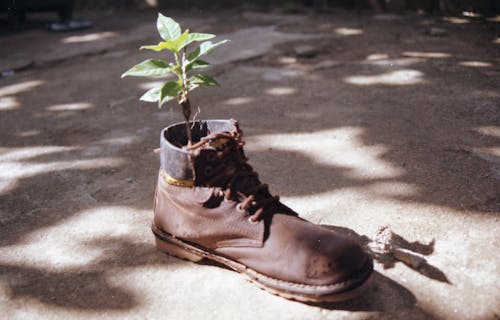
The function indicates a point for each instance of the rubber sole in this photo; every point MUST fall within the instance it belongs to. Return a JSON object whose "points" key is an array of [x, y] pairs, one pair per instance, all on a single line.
{"points": [[171, 245]]}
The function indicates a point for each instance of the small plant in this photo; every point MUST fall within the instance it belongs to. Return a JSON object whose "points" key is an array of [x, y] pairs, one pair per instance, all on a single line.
{"points": [[176, 41]]}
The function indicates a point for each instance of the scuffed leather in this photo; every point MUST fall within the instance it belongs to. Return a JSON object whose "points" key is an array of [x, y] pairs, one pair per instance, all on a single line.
{"points": [[279, 244], [180, 212], [299, 251], [294, 249]]}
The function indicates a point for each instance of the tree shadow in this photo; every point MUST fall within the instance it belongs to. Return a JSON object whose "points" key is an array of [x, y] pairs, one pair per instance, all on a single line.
{"points": [[433, 141], [87, 287], [429, 130], [389, 259], [89, 290], [384, 295]]}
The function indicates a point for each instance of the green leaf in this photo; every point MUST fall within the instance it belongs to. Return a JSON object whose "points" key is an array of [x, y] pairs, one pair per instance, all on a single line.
{"points": [[165, 100], [157, 47], [197, 37], [196, 64], [191, 87], [174, 45], [204, 48], [202, 80], [169, 91], [152, 95], [149, 68], [192, 37], [167, 27], [178, 43]]}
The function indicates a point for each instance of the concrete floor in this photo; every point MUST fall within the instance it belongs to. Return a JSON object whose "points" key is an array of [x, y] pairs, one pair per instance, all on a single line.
{"points": [[382, 124]]}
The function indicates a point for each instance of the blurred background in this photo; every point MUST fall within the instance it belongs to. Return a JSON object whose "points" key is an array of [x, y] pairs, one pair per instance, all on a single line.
{"points": [[17, 10]]}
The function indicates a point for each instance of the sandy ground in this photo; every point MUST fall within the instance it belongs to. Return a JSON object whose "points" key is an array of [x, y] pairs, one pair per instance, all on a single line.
{"points": [[382, 121]]}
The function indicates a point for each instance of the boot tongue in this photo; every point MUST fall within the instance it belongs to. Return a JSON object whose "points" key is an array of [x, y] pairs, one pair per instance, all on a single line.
{"points": [[243, 183], [218, 144]]}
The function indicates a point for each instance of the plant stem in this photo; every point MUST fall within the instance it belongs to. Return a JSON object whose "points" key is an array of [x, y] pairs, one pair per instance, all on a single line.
{"points": [[184, 99], [186, 111]]}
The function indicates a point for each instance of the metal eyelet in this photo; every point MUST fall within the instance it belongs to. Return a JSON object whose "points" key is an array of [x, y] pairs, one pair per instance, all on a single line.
{"points": [[252, 221], [239, 208]]}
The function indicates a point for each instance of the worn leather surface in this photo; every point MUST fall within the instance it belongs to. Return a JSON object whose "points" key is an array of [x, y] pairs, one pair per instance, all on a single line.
{"points": [[293, 250], [180, 212], [278, 243]]}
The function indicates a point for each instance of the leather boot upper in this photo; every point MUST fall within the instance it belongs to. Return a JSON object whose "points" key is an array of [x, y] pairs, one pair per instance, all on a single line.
{"points": [[228, 211]]}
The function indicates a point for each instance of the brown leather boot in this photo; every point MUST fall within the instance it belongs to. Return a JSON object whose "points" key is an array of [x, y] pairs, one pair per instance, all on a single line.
{"points": [[209, 203]]}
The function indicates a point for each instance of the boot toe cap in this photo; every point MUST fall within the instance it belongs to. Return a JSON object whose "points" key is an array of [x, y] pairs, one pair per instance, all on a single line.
{"points": [[340, 260]]}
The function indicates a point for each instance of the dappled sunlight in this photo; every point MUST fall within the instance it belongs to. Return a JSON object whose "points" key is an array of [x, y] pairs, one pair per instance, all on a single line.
{"points": [[489, 154], [345, 147], [9, 103], [152, 3], [69, 109], [287, 60], [90, 37], [110, 144], [281, 91], [476, 64], [28, 133], [14, 89], [22, 154], [18, 170], [403, 62], [238, 101], [247, 52], [493, 131], [378, 202], [456, 20], [49, 248], [427, 55], [120, 141], [80, 265], [393, 189], [393, 78], [377, 56], [7, 186], [274, 74], [471, 14], [348, 31], [77, 106], [15, 163], [484, 93], [494, 19]]}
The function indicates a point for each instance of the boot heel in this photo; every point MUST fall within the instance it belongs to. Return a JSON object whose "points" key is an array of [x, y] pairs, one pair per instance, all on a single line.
{"points": [[176, 251]]}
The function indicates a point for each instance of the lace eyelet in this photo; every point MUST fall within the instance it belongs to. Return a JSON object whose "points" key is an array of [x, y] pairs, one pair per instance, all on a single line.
{"points": [[239, 208], [252, 221]]}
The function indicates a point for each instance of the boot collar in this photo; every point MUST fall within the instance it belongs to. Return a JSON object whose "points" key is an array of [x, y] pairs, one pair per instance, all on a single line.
{"points": [[175, 160]]}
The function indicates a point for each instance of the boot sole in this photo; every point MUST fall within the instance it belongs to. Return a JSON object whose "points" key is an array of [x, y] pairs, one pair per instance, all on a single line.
{"points": [[346, 290]]}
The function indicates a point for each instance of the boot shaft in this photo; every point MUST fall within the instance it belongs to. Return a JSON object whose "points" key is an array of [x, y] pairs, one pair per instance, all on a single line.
{"points": [[175, 159]]}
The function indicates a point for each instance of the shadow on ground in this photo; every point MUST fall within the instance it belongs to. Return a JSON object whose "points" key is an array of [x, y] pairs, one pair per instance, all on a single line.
{"points": [[430, 132], [388, 260]]}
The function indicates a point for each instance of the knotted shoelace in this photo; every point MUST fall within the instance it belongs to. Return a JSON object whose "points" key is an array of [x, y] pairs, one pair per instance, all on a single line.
{"points": [[235, 176]]}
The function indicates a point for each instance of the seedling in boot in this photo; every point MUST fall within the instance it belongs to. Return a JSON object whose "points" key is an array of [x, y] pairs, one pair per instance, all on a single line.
{"points": [[177, 42], [210, 204]]}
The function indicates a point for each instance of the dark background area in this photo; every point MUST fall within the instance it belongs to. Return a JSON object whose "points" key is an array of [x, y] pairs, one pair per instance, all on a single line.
{"points": [[486, 7]]}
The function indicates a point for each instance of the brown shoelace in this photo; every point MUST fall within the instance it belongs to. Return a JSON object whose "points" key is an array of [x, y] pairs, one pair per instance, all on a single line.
{"points": [[233, 170]]}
